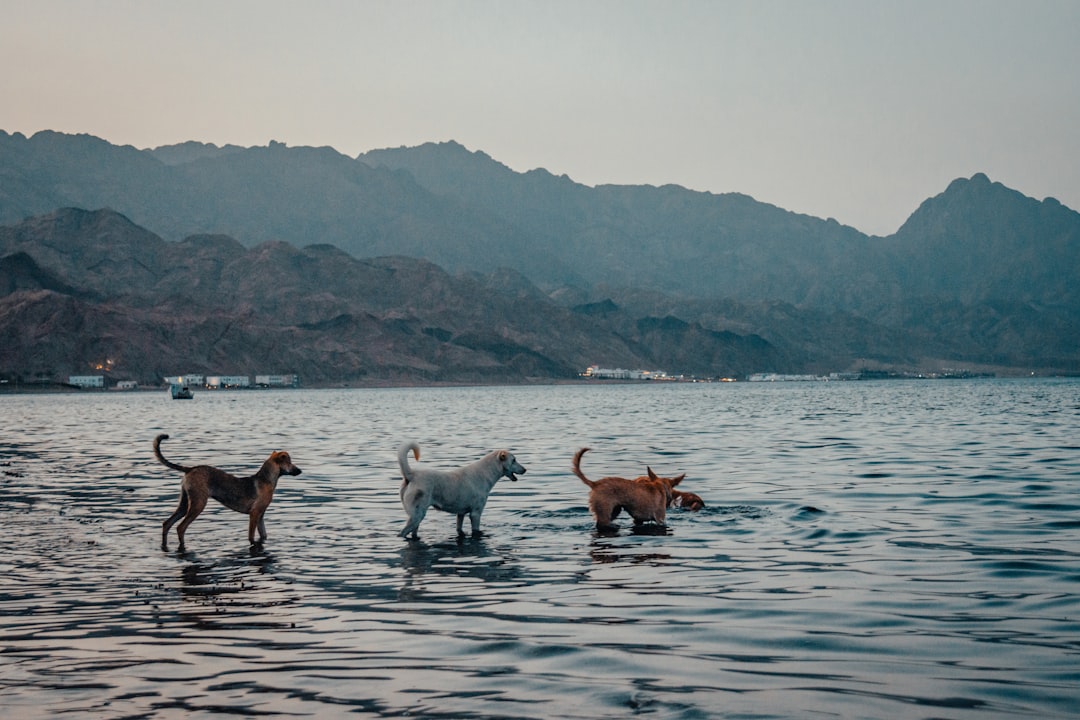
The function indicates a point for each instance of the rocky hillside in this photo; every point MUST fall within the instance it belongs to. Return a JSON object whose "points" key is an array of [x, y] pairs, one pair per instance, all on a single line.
{"points": [[979, 274], [466, 211], [83, 290]]}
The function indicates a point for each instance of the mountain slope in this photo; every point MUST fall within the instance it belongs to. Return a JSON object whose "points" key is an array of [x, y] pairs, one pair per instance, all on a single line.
{"points": [[980, 241], [465, 211], [668, 238], [978, 274], [974, 242], [114, 292], [300, 195]]}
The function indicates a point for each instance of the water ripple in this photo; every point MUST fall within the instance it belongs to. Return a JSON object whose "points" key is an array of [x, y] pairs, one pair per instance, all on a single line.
{"points": [[867, 550]]}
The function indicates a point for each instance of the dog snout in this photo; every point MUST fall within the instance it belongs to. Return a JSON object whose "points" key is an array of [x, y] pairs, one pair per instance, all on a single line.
{"points": [[294, 470], [515, 470]]}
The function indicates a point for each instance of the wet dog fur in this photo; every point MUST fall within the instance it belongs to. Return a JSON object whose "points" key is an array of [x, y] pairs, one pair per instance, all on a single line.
{"points": [[679, 498], [462, 491], [645, 498], [249, 495]]}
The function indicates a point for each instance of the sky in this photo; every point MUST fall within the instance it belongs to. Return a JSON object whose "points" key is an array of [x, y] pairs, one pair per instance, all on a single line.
{"points": [[856, 110]]}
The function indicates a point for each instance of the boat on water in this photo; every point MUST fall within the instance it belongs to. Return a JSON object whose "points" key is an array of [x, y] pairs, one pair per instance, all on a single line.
{"points": [[181, 392]]}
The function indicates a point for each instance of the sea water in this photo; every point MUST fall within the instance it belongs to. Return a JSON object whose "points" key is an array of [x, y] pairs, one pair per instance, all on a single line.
{"points": [[894, 549]]}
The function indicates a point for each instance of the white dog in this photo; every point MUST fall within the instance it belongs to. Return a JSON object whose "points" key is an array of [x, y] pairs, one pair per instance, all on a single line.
{"points": [[463, 491]]}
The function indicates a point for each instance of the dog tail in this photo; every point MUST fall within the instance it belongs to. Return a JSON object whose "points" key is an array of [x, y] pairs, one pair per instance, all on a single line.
{"points": [[403, 458], [577, 467], [161, 458]]}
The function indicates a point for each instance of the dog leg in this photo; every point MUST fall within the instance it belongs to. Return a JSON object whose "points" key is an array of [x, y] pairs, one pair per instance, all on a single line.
{"points": [[460, 520], [181, 510], [414, 523], [474, 520], [604, 513], [255, 522], [196, 504]]}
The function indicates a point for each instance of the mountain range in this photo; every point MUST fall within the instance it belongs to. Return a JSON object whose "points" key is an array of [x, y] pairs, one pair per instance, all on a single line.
{"points": [[436, 263]]}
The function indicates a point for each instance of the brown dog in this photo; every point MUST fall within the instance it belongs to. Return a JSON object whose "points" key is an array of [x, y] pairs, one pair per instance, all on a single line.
{"points": [[646, 498], [249, 495]]}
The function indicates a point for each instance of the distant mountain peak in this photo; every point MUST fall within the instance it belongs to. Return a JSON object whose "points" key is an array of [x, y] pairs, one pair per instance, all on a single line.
{"points": [[963, 199], [448, 152], [978, 182], [190, 151]]}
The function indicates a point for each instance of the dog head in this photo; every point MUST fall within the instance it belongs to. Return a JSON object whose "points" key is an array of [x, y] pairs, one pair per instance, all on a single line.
{"points": [[284, 463], [509, 464], [687, 500]]}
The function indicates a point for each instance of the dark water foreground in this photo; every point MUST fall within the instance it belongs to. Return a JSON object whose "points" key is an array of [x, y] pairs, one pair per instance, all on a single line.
{"points": [[877, 550]]}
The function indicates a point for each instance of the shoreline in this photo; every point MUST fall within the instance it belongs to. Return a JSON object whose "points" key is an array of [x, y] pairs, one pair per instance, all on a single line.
{"points": [[64, 388]]}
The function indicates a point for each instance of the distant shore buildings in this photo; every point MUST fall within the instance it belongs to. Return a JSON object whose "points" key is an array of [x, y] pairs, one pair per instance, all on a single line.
{"points": [[596, 372], [87, 381], [781, 377], [192, 380], [233, 382]]}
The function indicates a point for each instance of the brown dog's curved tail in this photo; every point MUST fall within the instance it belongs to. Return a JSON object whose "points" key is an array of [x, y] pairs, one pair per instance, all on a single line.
{"points": [[403, 458], [161, 458], [577, 467]]}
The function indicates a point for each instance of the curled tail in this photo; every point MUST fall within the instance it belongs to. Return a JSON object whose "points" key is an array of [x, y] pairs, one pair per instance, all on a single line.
{"points": [[577, 467], [161, 458], [403, 458]]}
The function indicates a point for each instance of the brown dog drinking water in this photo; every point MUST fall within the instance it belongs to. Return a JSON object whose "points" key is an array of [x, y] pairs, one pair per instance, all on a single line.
{"points": [[645, 499]]}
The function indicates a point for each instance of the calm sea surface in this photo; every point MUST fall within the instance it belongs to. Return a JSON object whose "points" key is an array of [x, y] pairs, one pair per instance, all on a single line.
{"points": [[869, 550]]}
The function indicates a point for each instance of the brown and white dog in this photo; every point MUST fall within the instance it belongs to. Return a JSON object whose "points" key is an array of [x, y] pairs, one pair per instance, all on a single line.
{"points": [[249, 495], [461, 491], [687, 500], [645, 498]]}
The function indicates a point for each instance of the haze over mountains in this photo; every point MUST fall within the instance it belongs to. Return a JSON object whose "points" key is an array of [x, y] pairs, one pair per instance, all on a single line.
{"points": [[537, 276]]}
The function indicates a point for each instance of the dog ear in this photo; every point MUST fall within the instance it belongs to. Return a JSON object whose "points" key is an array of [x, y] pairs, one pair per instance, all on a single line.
{"points": [[663, 483], [502, 455], [676, 480]]}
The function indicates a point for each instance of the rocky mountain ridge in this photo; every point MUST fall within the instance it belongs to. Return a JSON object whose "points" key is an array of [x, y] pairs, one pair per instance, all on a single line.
{"points": [[90, 290], [979, 275]]}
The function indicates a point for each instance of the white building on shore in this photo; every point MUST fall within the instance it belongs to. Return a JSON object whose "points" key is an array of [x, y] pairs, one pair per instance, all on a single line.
{"points": [[599, 373], [87, 381], [189, 380], [222, 382], [277, 380], [218, 382]]}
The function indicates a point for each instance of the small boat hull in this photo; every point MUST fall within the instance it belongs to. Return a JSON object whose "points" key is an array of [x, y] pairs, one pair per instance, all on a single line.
{"points": [[181, 392]]}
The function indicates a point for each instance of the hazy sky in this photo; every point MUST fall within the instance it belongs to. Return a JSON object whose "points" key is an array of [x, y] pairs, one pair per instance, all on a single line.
{"points": [[857, 110]]}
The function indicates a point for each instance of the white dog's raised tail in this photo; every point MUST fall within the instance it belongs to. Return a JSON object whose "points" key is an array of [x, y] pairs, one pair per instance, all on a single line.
{"points": [[403, 458]]}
